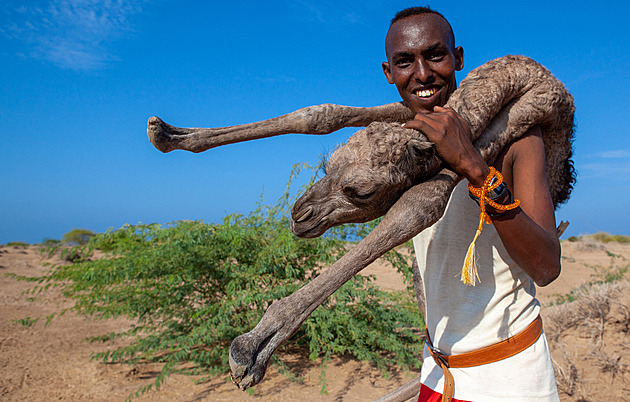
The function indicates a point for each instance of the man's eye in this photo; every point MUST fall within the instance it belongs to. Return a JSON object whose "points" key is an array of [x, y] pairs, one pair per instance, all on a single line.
{"points": [[403, 63], [436, 56]]}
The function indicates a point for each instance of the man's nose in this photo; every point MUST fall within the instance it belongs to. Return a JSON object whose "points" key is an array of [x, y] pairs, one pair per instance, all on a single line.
{"points": [[423, 72]]}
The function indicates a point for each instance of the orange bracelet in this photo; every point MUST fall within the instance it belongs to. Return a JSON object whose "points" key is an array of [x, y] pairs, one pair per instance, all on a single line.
{"points": [[469, 274]]}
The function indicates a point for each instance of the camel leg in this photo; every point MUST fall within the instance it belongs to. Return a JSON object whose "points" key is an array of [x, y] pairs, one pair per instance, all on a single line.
{"points": [[418, 287], [418, 208], [318, 119]]}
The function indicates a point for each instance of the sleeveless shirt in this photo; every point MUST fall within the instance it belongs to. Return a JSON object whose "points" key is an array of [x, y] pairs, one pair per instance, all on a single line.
{"points": [[463, 318]]}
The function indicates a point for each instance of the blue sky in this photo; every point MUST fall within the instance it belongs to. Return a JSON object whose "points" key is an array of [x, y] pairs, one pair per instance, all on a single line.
{"points": [[80, 78]]}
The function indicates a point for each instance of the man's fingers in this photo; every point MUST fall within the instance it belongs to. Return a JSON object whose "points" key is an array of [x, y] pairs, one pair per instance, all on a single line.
{"points": [[450, 113], [439, 124], [420, 120], [446, 112], [419, 125], [430, 119], [428, 127]]}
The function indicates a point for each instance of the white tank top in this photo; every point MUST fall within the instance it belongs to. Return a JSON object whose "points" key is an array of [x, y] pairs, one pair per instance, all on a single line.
{"points": [[463, 318]]}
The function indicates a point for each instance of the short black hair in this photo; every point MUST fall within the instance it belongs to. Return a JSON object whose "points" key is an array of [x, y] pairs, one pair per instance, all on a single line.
{"points": [[418, 11]]}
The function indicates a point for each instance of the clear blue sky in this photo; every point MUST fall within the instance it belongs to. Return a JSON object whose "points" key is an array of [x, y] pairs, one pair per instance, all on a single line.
{"points": [[80, 78]]}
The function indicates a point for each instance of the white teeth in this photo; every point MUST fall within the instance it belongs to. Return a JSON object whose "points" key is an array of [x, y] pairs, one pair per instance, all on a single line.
{"points": [[426, 93]]}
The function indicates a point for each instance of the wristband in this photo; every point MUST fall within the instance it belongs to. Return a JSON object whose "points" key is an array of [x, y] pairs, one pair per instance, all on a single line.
{"points": [[495, 193]]}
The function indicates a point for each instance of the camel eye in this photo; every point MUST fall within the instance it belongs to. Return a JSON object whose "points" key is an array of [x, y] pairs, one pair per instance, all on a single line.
{"points": [[364, 197], [358, 194]]}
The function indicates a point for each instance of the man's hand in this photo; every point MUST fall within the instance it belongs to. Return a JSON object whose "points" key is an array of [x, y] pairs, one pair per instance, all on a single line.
{"points": [[528, 232], [452, 138]]}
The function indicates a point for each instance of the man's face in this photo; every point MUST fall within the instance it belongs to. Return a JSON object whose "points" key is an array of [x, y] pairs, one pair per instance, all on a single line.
{"points": [[422, 61]]}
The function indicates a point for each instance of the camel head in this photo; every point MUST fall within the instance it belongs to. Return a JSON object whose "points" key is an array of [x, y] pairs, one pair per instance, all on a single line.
{"points": [[364, 178]]}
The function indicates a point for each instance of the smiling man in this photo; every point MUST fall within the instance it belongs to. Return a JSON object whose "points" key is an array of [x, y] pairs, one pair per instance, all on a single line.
{"points": [[486, 340], [422, 60]]}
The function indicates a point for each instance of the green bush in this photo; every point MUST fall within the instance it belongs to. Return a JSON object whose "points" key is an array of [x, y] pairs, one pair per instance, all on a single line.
{"points": [[607, 238], [17, 243], [50, 242], [193, 287], [621, 238], [78, 236]]}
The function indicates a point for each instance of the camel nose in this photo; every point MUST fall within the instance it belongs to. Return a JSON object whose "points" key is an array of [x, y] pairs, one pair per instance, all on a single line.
{"points": [[304, 215]]}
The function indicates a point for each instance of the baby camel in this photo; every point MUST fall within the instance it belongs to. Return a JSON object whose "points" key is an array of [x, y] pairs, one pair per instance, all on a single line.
{"points": [[388, 170]]}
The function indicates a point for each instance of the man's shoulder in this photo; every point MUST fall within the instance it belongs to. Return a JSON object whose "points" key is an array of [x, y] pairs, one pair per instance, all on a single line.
{"points": [[527, 151], [530, 141]]}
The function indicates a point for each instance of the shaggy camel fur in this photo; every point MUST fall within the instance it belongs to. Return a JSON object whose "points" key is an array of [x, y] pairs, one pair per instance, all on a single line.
{"points": [[392, 171]]}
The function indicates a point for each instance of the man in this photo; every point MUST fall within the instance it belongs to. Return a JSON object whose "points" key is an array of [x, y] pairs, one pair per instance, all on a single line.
{"points": [[519, 248]]}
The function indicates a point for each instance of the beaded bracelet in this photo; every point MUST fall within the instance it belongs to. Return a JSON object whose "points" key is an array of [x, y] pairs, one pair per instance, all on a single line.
{"points": [[499, 192], [469, 274], [498, 214]]}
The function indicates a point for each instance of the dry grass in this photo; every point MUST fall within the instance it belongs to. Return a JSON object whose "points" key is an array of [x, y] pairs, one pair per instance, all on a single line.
{"points": [[624, 318], [601, 237], [588, 244], [604, 237], [567, 374], [595, 305], [609, 363], [596, 323], [590, 308], [560, 319]]}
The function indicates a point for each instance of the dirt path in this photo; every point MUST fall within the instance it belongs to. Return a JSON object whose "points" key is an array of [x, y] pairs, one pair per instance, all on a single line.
{"points": [[42, 363]]}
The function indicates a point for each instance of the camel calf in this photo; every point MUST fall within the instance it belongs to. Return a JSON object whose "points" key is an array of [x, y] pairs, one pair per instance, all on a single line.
{"points": [[392, 171]]}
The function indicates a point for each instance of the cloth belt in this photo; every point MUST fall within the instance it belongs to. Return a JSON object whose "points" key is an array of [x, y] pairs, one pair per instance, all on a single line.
{"points": [[489, 354]]}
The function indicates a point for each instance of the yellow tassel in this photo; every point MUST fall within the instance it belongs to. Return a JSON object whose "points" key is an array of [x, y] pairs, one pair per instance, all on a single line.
{"points": [[469, 274]]}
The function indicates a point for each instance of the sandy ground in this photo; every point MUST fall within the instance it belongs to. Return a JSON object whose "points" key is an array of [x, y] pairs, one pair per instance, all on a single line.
{"points": [[42, 363]]}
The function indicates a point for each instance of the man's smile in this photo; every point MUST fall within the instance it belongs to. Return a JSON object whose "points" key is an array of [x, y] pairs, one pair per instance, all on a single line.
{"points": [[425, 98], [426, 93]]}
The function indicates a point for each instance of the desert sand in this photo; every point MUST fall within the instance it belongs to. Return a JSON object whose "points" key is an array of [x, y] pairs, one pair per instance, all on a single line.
{"points": [[588, 337]]}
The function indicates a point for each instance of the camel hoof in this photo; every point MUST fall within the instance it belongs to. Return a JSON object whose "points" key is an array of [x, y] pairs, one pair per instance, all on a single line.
{"points": [[247, 364], [159, 135]]}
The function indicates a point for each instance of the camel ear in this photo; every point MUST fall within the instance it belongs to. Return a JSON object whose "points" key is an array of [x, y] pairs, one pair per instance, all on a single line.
{"points": [[418, 152], [417, 147]]}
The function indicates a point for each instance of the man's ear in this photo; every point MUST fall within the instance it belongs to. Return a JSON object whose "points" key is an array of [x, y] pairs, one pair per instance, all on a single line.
{"points": [[388, 72], [459, 58]]}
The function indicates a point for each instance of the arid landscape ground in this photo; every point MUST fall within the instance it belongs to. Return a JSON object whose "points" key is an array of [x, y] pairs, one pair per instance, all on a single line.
{"points": [[588, 334]]}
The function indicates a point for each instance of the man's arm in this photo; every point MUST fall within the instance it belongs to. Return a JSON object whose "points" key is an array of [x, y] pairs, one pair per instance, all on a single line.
{"points": [[527, 232]]}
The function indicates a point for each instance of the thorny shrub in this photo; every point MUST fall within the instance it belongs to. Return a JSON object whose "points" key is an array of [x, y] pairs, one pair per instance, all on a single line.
{"points": [[192, 287]]}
